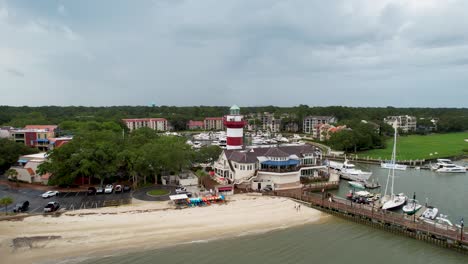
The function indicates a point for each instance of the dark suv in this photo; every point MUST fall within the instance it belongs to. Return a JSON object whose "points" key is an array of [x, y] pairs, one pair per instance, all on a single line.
{"points": [[21, 207]]}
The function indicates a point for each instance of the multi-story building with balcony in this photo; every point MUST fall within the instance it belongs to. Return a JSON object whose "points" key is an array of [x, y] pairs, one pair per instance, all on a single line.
{"points": [[404, 122], [35, 136], [158, 124], [311, 122], [213, 123]]}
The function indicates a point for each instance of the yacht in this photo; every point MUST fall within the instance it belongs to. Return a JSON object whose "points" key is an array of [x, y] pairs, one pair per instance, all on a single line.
{"points": [[349, 172], [430, 213], [388, 165], [446, 165]]}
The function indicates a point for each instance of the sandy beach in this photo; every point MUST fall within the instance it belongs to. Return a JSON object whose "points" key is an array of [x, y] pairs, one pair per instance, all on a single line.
{"points": [[143, 225]]}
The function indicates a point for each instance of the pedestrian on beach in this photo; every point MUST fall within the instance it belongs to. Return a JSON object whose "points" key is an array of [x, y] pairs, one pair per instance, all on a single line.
{"points": [[299, 207]]}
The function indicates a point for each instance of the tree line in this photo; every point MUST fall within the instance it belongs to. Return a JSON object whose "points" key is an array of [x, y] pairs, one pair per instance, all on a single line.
{"points": [[107, 155], [451, 119]]}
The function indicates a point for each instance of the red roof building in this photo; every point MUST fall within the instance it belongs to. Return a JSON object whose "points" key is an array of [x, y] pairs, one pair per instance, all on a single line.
{"points": [[195, 125]]}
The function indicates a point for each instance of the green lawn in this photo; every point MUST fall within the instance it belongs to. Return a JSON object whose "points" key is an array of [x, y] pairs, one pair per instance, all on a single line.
{"points": [[158, 192], [420, 147]]}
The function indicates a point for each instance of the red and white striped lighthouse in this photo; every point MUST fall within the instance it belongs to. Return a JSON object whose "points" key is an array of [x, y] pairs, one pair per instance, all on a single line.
{"points": [[234, 123]]}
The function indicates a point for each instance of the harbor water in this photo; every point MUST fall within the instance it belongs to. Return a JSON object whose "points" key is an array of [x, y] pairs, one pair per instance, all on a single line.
{"points": [[335, 241]]}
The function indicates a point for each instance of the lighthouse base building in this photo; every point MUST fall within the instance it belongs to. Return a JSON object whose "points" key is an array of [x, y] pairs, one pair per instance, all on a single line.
{"points": [[273, 168]]}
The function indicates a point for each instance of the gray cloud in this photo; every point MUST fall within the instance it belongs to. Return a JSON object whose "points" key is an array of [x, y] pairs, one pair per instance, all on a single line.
{"points": [[189, 52]]}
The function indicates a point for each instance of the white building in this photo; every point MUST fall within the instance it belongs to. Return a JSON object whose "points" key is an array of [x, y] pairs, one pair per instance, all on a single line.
{"points": [[405, 122], [159, 124], [278, 168], [27, 168], [311, 122]]}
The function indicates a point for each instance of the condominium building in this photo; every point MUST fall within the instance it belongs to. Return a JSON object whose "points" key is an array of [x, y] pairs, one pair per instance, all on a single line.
{"points": [[404, 122], [269, 122], [35, 136], [159, 124], [214, 123], [311, 122]]}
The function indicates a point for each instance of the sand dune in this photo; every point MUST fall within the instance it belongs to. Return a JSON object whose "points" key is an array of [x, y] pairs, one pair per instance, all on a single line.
{"points": [[141, 226]]}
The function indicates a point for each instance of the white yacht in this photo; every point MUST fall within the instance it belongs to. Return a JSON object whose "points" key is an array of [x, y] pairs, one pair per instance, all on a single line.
{"points": [[389, 165], [349, 172], [394, 201], [446, 165], [430, 213]]}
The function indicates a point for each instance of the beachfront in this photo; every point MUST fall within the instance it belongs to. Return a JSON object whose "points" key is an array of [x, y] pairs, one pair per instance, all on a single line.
{"points": [[144, 225]]}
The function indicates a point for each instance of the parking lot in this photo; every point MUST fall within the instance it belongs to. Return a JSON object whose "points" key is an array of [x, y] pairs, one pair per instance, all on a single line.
{"points": [[67, 200]]}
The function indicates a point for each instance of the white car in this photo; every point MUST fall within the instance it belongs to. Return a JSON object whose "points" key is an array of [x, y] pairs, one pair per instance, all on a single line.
{"points": [[109, 188], [49, 194], [180, 190]]}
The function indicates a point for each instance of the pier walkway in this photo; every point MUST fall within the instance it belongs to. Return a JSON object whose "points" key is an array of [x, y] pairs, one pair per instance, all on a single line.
{"points": [[444, 235]]}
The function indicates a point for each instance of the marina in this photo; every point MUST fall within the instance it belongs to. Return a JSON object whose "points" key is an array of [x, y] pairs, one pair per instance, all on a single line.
{"points": [[438, 234]]}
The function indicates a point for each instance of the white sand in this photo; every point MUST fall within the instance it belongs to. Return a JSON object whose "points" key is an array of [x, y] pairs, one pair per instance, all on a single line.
{"points": [[145, 225]]}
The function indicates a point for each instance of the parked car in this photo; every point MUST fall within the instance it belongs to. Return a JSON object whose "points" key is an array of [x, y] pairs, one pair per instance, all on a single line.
{"points": [[50, 194], [109, 188], [21, 207], [91, 190], [179, 190], [99, 190], [118, 188], [126, 188], [51, 207], [267, 189]]}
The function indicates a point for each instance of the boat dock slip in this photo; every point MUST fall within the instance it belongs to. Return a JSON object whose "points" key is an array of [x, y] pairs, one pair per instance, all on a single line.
{"points": [[445, 236]]}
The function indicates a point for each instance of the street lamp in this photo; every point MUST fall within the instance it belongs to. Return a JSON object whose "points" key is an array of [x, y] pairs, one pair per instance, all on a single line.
{"points": [[462, 224]]}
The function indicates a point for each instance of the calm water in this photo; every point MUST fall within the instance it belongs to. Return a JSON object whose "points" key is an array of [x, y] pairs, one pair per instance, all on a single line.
{"points": [[337, 241]]}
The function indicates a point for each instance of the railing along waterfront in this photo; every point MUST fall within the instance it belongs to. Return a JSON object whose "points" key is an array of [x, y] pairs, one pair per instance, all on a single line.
{"points": [[451, 236]]}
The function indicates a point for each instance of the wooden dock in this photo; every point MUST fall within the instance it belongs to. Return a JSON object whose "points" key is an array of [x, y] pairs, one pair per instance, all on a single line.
{"points": [[445, 236]]}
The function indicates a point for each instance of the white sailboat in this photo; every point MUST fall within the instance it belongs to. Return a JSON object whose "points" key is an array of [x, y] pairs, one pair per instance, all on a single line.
{"points": [[392, 201]]}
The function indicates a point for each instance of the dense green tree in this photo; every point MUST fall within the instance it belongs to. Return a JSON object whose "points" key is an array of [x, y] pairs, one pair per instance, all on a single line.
{"points": [[208, 154], [10, 152]]}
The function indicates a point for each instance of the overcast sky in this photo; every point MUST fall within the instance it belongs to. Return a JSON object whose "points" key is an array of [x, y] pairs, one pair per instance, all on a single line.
{"points": [[245, 52]]}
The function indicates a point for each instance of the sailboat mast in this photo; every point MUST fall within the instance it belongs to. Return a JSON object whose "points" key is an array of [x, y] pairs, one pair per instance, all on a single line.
{"points": [[394, 157]]}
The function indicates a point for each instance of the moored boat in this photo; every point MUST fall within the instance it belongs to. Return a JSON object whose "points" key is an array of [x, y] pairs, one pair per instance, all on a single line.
{"points": [[393, 201], [389, 165], [430, 213], [357, 184], [447, 166], [349, 172], [411, 207]]}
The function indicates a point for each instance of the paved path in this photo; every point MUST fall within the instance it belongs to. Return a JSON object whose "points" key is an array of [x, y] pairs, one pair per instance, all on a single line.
{"points": [[140, 194]]}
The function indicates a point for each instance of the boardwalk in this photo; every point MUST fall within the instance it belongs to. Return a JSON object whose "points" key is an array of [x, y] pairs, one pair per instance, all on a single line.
{"points": [[408, 225]]}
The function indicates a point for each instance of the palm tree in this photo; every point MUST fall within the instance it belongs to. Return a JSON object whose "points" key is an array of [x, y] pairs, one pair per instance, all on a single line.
{"points": [[6, 201]]}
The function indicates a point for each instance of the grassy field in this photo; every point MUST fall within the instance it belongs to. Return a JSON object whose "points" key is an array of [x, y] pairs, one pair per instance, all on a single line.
{"points": [[158, 192], [421, 147]]}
